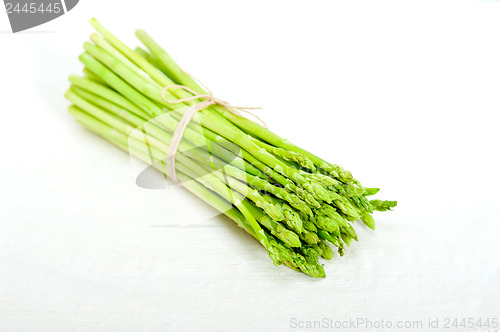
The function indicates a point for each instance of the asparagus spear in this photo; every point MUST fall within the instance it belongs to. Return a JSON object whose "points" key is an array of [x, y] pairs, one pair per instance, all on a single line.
{"points": [[290, 200]]}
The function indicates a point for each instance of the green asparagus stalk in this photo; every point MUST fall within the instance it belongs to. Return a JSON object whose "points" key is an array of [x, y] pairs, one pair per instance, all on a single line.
{"points": [[290, 200]]}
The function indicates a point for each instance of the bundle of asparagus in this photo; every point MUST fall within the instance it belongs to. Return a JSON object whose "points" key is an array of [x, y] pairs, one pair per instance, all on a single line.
{"points": [[293, 202]]}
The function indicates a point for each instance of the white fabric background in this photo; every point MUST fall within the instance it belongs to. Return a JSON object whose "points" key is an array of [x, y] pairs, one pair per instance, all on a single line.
{"points": [[402, 93]]}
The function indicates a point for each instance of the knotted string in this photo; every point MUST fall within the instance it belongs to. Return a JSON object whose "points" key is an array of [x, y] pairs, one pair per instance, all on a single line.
{"points": [[188, 116]]}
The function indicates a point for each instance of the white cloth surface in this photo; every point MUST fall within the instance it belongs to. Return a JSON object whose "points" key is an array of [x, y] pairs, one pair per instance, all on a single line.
{"points": [[402, 93]]}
